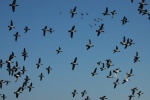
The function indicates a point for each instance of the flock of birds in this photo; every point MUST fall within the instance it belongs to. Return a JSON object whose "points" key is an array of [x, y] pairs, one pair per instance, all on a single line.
{"points": [[126, 42]]}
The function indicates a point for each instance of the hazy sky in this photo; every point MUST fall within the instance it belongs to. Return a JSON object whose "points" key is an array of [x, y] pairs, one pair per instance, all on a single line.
{"points": [[62, 81]]}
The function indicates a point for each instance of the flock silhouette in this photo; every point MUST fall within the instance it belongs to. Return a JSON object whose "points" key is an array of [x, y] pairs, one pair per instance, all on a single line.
{"points": [[17, 72]]}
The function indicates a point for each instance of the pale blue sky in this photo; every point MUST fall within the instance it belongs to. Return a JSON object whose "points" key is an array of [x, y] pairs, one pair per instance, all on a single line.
{"points": [[62, 80]]}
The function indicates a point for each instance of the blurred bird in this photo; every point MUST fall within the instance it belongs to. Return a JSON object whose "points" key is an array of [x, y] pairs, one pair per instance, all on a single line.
{"points": [[106, 12], [11, 25], [58, 50], [39, 63], [26, 29], [41, 76], [73, 12], [89, 45], [13, 5], [48, 69], [116, 83], [74, 63], [72, 31], [94, 72], [18, 92], [74, 93], [24, 54], [109, 76]]}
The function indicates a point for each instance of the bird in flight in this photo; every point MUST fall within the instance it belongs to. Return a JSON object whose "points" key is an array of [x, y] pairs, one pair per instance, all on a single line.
{"points": [[73, 12], [16, 36], [74, 63], [11, 25], [72, 31], [89, 45], [13, 5]]}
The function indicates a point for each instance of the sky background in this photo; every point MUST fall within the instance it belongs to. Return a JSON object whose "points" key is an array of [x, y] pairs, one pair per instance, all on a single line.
{"points": [[62, 80]]}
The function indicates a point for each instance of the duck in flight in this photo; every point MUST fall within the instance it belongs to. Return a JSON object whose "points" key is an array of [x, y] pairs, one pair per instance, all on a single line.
{"points": [[26, 29], [116, 71], [124, 20], [44, 30], [103, 67], [139, 93], [11, 26], [72, 31], [30, 87], [74, 93], [41, 76], [13, 5], [130, 74], [73, 12], [24, 54], [89, 45], [39, 63], [16, 36], [100, 29], [116, 83], [106, 12], [116, 50], [83, 93], [48, 69], [74, 63], [103, 97], [18, 92], [126, 79], [23, 70], [136, 58], [58, 50], [113, 13], [94, 72], [110, 76]]}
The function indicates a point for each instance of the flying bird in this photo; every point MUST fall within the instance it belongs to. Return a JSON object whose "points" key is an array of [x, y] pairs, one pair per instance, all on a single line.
{"points": [[89, 45], [74, 63], [30, 87], [73, 12], [113, 13], [26, 29], [124, 20], [126, 79], [24, 54], [94, 72], [103, 97], [116, 83], [116, 71], [11, 26], [18, 92], [58, 50], [41, 76], [139, 93], [74, 93], [72, 31], [83, 93], [100, 29], [44, 30], [106, 12], [109, 76], [116, 50], [136, 58], [16, 36], [48, 69], [39, 63], [103, 67], [13, 5]]}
